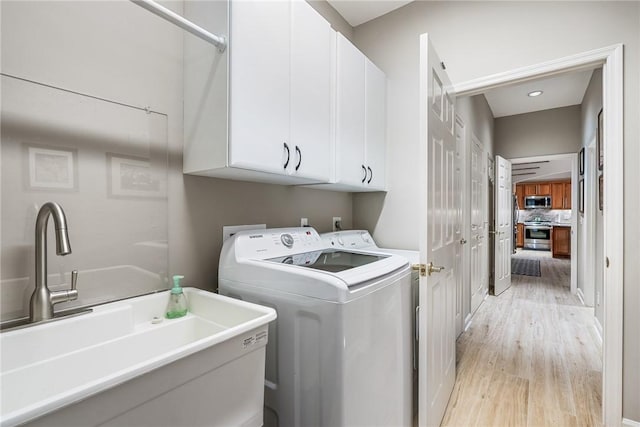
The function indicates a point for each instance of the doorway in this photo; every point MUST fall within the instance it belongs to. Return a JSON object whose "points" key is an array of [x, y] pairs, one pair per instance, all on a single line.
{"points": [[611, 60]]}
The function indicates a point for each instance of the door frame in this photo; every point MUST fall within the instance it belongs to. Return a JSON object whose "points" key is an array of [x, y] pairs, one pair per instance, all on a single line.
{"points": [[574, 204], [611, 59]]}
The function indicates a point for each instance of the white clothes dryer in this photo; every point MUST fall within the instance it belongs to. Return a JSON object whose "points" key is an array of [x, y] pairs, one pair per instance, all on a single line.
{"points": [[362, 240], [339, 353]]}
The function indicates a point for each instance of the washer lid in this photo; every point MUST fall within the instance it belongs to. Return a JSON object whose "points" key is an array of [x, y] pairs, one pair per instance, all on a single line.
{"points": [[331, 260]]}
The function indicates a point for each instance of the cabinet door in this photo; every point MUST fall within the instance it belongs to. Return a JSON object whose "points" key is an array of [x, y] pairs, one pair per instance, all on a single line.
{"points": [[520, 236], [530, 189], [544, 189], [375, 125], [557, 195], [312, 69], [259, 85], [567, 195], [520, 195], [350, 168], [561, 241]]}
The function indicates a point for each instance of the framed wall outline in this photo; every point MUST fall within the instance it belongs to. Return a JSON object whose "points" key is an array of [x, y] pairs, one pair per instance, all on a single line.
{"points": [[601, 191], [50, 168], [600, 140], [134, 177], [581, 195]]}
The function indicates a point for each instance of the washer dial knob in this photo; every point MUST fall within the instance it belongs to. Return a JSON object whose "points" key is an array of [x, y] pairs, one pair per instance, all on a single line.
{"points": [[287, 240]]}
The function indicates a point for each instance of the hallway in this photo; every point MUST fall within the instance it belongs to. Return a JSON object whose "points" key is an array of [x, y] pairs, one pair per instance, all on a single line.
{"points": [[531, 357]]}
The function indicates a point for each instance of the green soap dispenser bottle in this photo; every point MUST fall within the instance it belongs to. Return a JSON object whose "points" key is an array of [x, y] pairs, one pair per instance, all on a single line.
{"points": [[177, 306]]}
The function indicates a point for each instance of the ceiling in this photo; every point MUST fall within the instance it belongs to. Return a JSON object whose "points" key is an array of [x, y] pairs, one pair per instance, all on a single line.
{"points": [[558, 91], [541, 170], [357, 12]]}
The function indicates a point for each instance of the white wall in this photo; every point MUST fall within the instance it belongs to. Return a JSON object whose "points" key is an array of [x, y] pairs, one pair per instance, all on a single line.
{"points": [[477, 39], [119, 51], [591, 106], [554, 131]]}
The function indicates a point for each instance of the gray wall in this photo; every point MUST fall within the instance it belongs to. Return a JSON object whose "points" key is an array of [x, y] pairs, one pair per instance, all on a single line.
{"points": [[121, 52], [477, 39], [555, 131]]}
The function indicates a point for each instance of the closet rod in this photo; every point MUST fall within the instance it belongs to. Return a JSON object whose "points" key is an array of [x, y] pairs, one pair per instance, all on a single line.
{"points": [[218, 41]]}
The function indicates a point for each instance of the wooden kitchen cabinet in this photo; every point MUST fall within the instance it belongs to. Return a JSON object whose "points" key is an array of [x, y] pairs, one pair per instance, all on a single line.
{"points": [[561, 242], [557, 195], [567, 195], [520, 195], [544, 189], [520, 236], [561, 195]]}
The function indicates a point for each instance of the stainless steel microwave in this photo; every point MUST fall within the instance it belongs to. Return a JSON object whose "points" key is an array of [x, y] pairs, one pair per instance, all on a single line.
{"points": [[537, 202]]}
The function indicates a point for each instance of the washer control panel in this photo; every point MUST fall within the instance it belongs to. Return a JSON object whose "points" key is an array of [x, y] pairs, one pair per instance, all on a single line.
{"points": [[278, 242]]}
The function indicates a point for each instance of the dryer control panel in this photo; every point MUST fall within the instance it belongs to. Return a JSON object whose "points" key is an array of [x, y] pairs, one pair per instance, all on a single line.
{"points": [[350, 239]]}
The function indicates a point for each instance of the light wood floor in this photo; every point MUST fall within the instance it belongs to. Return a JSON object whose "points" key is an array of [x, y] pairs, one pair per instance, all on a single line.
{"points": [[531, 357]]}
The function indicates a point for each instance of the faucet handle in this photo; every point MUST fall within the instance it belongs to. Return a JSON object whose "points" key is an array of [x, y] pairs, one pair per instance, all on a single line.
{"points": [[74, 280]]}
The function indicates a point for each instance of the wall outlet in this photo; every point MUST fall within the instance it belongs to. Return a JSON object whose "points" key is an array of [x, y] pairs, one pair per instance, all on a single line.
{"points": [[304, 222], [230, 230], [337, 223]]}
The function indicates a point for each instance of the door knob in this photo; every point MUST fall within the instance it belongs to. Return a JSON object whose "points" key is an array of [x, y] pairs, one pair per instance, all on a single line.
{"points": [[433, 269], [463, 241]]}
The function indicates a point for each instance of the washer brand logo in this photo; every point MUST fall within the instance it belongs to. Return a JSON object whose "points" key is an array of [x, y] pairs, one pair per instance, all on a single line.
{"points": [[256, 236]]}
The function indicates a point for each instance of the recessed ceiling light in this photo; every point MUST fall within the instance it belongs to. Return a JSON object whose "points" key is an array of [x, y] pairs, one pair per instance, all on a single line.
{"points": [[535, 93]]}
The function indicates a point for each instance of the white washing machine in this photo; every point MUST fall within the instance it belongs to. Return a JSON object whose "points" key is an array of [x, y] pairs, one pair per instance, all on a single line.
{"points": [[362, 240], [339, 353]]}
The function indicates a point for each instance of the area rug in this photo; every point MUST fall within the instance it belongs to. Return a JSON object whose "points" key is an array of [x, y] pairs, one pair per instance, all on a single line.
{"points": [[525, 267]]}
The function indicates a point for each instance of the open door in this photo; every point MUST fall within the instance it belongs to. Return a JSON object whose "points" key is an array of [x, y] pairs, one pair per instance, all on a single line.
{"points": [[503, 225], [437, 332]]}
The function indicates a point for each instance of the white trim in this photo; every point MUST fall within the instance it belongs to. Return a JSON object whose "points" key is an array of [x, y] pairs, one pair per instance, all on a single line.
{"points": [[630, 423], [580, 295], [613, 300], [580, 61], [611, 58]]}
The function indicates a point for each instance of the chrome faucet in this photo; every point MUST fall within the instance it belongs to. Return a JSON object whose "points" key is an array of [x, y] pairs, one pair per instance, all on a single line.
{"points": [[42, 300]]}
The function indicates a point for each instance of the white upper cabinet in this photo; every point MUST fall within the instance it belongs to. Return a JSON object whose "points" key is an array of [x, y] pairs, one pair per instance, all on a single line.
{"points": [[280, 95], [259, 86], [312, 93], [289, 101], [360, 121], [375, 125]]}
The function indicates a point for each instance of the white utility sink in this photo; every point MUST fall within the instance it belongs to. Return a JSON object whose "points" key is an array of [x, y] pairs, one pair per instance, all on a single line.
{"points": [[119, 366]]}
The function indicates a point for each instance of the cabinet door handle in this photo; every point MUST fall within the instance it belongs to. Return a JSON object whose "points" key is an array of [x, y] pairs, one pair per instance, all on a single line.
{"points": [[364, 178], [286, 163], [370, 175], [299, 157]]}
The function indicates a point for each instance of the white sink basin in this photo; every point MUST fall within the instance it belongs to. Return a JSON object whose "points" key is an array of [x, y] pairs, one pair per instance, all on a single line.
{"points": [[53, 365]]}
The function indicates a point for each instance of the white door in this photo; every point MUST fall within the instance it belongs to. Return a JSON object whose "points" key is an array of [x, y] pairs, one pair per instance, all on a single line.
{"points": [[477, 224], [437, 333], [504, 225], [375, 129], [312, 69], [459, 188]]}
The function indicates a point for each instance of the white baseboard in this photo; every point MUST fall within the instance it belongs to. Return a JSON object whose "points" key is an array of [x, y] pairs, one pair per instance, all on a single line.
{"points": [[580, 295], [630, 423]]}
